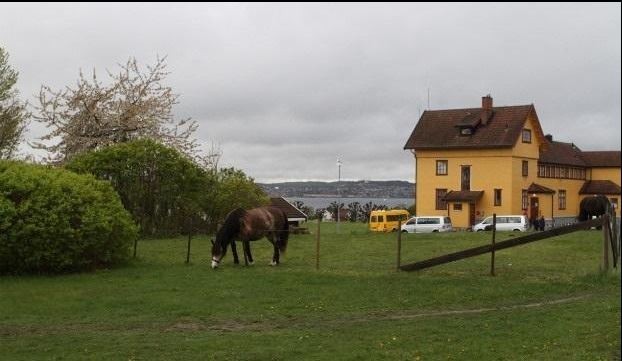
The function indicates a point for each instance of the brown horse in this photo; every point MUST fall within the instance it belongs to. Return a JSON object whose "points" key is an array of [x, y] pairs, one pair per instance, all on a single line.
{"points": [[251, 225]]}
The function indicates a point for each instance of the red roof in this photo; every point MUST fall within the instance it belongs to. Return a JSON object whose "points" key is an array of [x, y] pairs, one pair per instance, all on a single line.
{"points": [[441, 129], [537, 188], [562, 153], [600, 187], [602, 159], [288, 208]]}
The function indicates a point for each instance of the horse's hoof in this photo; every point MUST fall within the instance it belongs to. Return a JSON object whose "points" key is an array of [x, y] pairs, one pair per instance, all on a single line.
{"points": [[273, 263], [251, 263], [214, 265]]}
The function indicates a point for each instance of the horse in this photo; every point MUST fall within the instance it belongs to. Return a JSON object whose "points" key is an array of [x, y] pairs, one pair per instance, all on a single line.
{"points": [[251, 225], [593, 207]]}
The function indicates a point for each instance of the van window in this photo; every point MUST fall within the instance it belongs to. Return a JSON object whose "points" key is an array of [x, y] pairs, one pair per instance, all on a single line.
{"points": [[380, 218], [514, 220], [487, 220], [502, 219], [393, 218], [412, 221], [429, 221], [447, 220], [373, 219]]}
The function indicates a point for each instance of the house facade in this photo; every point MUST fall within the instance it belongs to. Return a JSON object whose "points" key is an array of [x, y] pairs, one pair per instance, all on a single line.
{"points": [[473, 162]]}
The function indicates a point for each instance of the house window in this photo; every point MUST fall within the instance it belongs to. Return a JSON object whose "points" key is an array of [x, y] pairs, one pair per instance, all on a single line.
{"points": [[497, 197], [525, 168], [561, 195], [524, 199], [441, 204], [457, 206], [441, 167], [541, 169], [465, 178], [526, 136]]}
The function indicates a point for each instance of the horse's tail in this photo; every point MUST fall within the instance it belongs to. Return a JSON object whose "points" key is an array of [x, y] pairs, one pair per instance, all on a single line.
{"points": [[284, 234]]}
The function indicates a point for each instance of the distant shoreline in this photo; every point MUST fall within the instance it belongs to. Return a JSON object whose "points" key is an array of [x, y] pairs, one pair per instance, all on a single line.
{"points": [[324, 202]]}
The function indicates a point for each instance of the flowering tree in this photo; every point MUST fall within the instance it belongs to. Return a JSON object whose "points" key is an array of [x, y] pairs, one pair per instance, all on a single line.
{"points": [[135, 104]]}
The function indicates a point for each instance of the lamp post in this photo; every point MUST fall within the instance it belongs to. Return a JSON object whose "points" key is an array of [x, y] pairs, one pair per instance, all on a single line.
{"points": [[338, 191]]}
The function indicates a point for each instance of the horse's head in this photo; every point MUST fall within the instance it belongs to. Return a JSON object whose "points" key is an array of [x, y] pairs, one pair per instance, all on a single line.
{"points": [[218, 252], [225, 235]]}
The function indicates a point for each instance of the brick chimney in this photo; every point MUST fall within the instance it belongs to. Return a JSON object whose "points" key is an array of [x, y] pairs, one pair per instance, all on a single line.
{"points": [[487, 102], [486, 109]]}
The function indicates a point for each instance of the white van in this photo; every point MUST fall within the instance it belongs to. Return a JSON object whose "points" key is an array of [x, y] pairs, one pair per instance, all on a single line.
{"points": [[504, 223], [427, 224]]}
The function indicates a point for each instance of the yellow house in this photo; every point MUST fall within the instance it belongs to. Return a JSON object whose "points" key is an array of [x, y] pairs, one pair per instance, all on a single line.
{"points": [[471, 163]]}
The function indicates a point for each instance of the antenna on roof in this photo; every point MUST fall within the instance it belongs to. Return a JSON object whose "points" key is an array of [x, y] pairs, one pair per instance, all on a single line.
{"points": [[428, 99]]}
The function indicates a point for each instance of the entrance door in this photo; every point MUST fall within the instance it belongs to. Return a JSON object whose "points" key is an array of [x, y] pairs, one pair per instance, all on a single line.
{"points": [[465, 178], [534, 208]]}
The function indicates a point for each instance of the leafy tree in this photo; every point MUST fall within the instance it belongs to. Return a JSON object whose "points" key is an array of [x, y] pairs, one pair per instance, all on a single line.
{"points": [[368, 207], [366, 210], [354, 210], [52, 220], [234, 189], [13, 114], [304, 208], [332, 208], [158, 185], [135, 104]]}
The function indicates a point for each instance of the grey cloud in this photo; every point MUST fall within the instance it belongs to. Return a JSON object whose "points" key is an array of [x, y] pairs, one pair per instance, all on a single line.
{"points": [[285, 89]]}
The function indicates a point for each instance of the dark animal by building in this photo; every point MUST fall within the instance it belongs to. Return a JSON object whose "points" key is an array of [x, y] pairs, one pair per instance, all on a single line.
{"points": [[593, 207], [251, 225]]}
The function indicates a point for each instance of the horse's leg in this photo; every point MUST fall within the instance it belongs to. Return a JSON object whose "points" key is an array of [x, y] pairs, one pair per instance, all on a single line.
{"points": [[249, 254], [236, 260], [244, 246], [275, 255]]}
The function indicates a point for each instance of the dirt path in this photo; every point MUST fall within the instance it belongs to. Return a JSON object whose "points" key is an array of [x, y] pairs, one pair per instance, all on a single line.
{"points": [[192, 325]]}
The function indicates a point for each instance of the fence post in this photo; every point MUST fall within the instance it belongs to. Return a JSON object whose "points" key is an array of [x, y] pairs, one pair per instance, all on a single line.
{"points": [[605, 226], [616, 239], [492, 251], [317, 244], [189, 239], [399, 244], [188, 252]]}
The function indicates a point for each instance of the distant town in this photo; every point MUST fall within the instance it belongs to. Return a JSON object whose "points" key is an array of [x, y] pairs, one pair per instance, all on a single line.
{"points": [[346, 189]]}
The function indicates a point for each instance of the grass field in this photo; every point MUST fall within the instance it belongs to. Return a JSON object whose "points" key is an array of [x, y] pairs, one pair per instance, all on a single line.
{"points": [[548, 302]]}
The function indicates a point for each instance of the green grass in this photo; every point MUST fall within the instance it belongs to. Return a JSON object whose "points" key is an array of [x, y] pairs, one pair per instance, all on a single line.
{"points": [[548, 302]]}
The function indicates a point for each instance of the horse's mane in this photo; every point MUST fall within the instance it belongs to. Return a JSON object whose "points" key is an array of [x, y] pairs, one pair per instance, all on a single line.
{"points": [[230, 228]]}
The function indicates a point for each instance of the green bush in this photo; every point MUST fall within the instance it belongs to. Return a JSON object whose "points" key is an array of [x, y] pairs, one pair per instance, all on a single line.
{"points": [[158, 185], [53, 221], [165, 191]]}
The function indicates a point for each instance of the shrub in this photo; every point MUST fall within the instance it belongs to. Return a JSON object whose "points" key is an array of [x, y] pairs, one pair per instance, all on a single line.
{"points": [[157, 184], [53, 221]]}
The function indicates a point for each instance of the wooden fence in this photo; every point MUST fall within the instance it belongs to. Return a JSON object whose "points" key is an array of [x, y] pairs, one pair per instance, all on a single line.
{"points": [[609, 233]]}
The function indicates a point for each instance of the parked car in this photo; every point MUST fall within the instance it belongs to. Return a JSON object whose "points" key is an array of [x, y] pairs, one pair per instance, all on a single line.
{"points": [[504, 223], [427, 224]]}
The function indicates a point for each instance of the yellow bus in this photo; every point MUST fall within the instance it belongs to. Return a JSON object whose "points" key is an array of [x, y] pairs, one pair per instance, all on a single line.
{"points": [[387, 221]]}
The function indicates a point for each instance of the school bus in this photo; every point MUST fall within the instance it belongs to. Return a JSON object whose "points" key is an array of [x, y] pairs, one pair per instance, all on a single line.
{"points": [[387, 221]]}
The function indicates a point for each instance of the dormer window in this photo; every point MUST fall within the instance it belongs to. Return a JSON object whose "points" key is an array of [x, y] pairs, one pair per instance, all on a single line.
{"points": [[466, 131]]}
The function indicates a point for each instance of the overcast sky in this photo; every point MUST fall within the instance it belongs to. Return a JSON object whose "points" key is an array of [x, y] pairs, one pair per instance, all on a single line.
{"points": [[286, 89]]}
